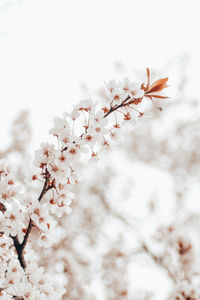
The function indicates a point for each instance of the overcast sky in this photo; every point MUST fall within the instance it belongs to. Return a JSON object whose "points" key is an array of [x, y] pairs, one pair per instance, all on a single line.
{"points": [[47, 47]]}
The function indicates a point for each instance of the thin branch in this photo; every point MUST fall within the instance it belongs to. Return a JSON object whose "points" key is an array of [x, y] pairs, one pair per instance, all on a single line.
{"points": [[158, 260], [113, 109], [20, 247]]}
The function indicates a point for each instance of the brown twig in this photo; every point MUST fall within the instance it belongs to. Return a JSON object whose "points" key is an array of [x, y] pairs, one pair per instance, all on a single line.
{"points": [[112, 109], [20, 247]]}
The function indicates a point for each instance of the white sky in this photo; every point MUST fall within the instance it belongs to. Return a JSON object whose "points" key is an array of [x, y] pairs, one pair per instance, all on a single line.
{"points": [[47, 47]]}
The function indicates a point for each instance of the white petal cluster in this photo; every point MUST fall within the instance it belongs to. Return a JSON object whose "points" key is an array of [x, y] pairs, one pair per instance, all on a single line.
{"points": [[12, 215], [83, 133], [119, 91], [87, 129], [31, 284]]}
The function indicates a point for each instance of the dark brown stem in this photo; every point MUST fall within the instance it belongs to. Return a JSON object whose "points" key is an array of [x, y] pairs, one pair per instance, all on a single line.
{"points": [[20, 247], [19, 252], [124, 103]]}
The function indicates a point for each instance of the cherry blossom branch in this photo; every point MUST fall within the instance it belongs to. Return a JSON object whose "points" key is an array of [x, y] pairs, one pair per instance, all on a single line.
{"points": [[20, 247], [59, 165], [157, 86]]}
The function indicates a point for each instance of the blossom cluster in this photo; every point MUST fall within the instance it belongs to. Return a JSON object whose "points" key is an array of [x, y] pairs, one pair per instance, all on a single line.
{"points": [[31, 283], [12, 217], [85, 132]]}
